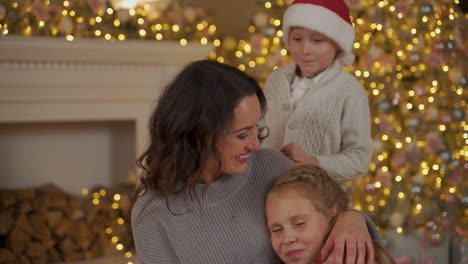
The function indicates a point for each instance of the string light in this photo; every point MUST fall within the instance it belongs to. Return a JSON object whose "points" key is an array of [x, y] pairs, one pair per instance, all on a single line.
{"points": [[397, 101], [114, 239]]}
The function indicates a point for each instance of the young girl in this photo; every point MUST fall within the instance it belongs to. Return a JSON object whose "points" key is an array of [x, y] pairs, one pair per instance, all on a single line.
{"points": [[318, 113], [301, 208]]}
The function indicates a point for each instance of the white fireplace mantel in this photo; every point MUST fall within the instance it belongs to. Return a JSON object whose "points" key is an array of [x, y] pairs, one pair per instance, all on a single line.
{"points": [[54, 81], [51, 79]]}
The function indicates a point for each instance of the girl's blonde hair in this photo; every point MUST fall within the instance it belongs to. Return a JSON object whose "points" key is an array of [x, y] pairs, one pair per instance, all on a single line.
{"points": [[314, 184]]}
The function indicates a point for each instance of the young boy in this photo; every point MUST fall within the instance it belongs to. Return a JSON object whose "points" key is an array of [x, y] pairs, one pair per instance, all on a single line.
{"points": [[317, 112]]}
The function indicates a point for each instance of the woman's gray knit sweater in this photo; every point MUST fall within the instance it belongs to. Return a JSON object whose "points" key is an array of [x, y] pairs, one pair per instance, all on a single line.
{"points": [[229, 227]]}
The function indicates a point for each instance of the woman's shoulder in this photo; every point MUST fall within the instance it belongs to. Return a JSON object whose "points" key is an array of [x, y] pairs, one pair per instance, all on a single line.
{"points": [[147, 208], [268, 154], [270, 160]]}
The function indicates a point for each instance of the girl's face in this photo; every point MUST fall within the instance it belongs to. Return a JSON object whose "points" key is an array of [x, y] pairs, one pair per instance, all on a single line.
{"points": [[298, 231], [313, 52], [239, 141]]}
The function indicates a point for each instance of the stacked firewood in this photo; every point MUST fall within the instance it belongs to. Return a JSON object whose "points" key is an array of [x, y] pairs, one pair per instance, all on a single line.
{"points": [[47, 225]]}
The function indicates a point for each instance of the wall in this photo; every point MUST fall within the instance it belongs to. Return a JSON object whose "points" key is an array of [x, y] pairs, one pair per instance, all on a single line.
{"points": [[72, 155]]}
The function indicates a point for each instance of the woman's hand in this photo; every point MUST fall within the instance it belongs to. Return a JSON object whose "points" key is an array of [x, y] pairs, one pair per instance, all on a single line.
{"points": [[349, 241], [297, 154]]}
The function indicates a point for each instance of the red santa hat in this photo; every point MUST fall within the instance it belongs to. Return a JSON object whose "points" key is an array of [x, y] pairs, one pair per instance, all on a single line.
{"points": [[329, 17]]}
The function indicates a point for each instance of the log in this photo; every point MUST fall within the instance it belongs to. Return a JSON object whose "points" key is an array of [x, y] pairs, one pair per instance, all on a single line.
{"points": [[53, 218], [6, 255], [25, 207], [57, 201], [74, 256], [37, 220], [68, 247], [80, 231], [42, 232], [93, 252], [39, 260], [76, 214], [63, 228], [34, 249], [48, 244], [53, 256], [6, 222], [125, 202], [8, 200], [18, 240], [46, 225], [84, 244], [78, 202], [18, 246], [40, 229], [25, 194], [24, 224], [23, 260], [40, 205]]}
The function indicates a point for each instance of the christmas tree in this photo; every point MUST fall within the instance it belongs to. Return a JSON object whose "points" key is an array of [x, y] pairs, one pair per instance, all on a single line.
{"points": [[263, 50], [412, 60]]}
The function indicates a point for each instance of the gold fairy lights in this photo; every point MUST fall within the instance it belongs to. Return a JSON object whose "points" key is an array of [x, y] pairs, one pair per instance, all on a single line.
{"points": [[107, 23], [421, 31], [114, 239], [422, 38]]}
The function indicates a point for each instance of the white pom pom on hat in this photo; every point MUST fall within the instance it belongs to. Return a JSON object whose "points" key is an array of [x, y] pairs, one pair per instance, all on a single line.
{"points": [[329, 17]]}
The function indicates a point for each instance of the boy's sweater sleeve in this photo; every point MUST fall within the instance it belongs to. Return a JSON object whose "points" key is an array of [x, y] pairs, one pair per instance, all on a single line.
{"points": [[354, 158]]}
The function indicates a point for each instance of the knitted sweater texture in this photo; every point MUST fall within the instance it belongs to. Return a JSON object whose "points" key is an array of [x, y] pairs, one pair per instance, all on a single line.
{"points": [[331, 121], [230, 227]]}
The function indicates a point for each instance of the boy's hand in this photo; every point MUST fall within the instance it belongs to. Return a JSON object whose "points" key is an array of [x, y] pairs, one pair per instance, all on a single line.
{"points": [[349, 241], [297, 154]]}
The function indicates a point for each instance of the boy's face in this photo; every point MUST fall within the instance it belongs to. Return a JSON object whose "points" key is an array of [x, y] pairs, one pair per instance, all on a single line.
{"points": [[313, 52], [298, 231]]}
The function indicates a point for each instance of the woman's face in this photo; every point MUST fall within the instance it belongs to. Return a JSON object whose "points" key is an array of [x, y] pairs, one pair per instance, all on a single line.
{"points": [[240, 139], [298, 231], [313, 52]]}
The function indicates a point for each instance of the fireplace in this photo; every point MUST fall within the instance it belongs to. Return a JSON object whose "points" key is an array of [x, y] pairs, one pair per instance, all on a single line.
{"points": [[73, 120], [75, 113]]}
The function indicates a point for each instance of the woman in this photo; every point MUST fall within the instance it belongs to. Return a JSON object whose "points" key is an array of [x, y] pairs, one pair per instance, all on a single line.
{"points": [[205, 179]]}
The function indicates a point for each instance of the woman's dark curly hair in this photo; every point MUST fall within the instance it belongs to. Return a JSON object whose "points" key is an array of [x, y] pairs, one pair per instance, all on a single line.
{"points": [[194, 110]]}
